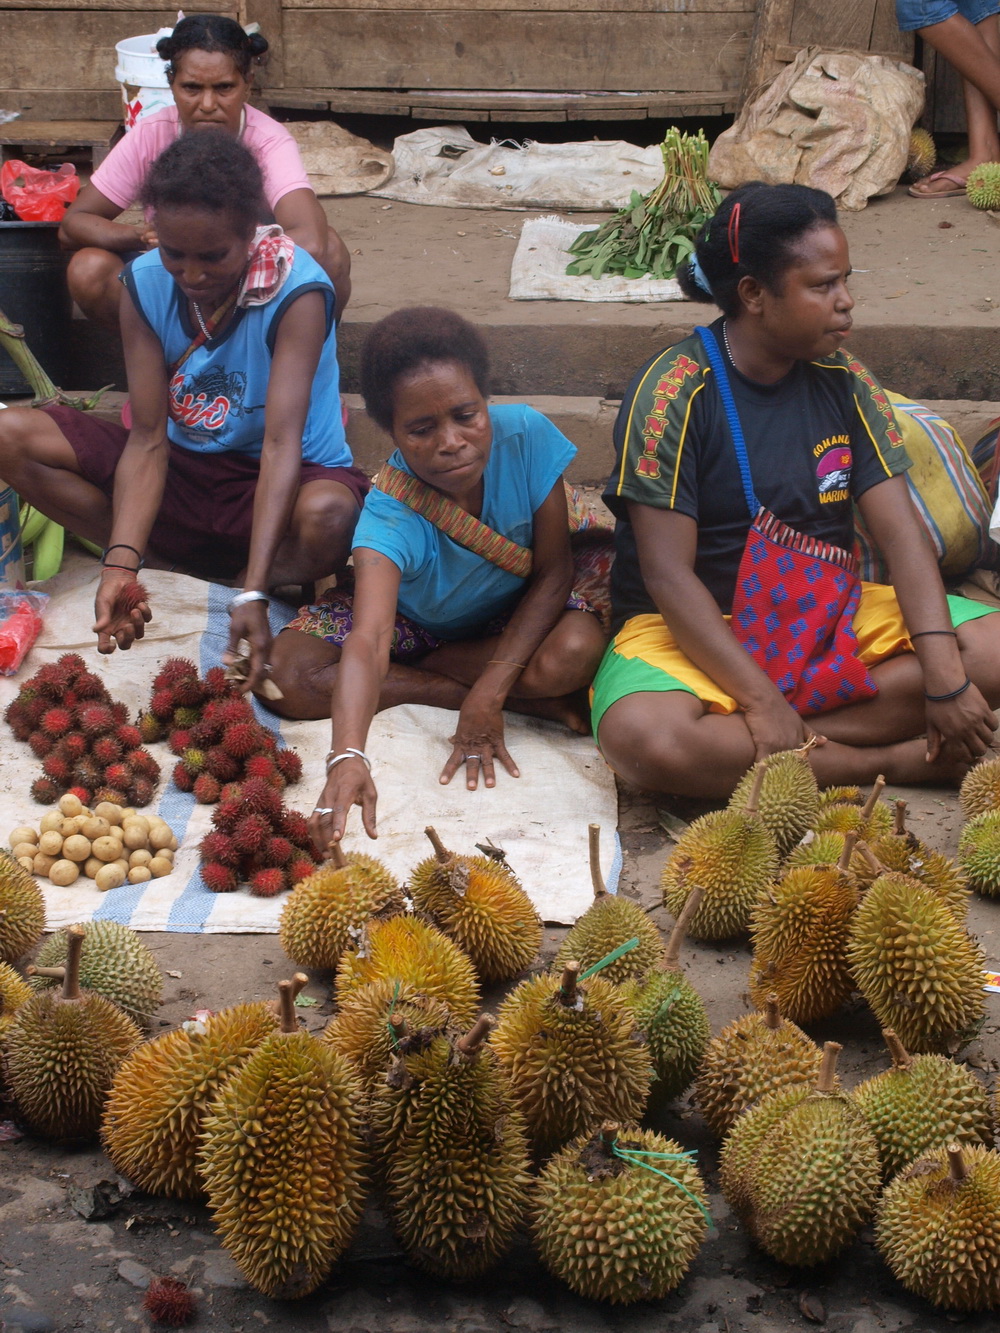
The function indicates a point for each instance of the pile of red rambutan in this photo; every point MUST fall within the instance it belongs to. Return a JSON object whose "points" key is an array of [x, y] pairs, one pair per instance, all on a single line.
{"points": [[256, 840], [212, 729], [82, 736]]}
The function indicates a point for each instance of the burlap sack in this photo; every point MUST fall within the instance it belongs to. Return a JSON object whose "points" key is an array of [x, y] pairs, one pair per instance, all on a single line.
{"points": [[337, 161], [838, 121]]}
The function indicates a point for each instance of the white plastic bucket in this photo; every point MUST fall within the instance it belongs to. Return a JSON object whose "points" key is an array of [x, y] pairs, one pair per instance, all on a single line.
{"points": [[143, 77], [11, 559]]}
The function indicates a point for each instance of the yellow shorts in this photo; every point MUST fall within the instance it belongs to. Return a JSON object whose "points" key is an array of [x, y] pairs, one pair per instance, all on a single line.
{"points": [[644, 655]]}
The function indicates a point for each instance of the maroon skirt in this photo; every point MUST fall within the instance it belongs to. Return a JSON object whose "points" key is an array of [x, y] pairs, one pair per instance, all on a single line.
{"points": [[206, 515]]}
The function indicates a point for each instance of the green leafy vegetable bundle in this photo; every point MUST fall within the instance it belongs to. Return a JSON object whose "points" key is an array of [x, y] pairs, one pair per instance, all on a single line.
{"points": [[654, 233]]}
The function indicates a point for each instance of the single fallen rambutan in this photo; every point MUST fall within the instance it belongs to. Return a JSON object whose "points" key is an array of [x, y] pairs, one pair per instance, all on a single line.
{"points": [[300, 867], [40, 744], [129, 737], [89, 686], [278, 851], [140, 791], [96, 719], [260, 798], [216, 684], [83, 794], [110, 794], [221, 765], [295, 827], [106, 749], [193, 760], [206, 789], [168, 1301], [267, 883], [251, 833], [74, 744], [142, 763], [179, 740], [56, 721], [219, 847], [241, 739], [44, 791], [218, 878], [185, 717], [182, 778], [118, 775], [161, 705], [173, 670], [150, 728], [289, 765], [58, 768]]}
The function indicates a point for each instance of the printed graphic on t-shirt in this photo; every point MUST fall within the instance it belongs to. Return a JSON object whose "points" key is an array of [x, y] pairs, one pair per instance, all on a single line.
{"points": [[833, 468], [201, 403]]}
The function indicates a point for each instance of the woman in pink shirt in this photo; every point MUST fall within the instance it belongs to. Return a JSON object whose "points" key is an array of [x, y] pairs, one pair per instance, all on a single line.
{"points": [[211, 76]]}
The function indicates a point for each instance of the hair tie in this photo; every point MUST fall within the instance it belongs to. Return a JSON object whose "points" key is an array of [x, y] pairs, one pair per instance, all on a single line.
{"points": [[698, 275], [733, 232]]}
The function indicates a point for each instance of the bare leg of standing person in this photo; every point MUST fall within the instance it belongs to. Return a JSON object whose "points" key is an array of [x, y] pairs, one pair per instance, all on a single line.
{"points": [[974, 50]]}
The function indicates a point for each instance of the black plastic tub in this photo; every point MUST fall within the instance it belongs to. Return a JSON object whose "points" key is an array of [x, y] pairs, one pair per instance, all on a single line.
{"points": [[33, 292]]}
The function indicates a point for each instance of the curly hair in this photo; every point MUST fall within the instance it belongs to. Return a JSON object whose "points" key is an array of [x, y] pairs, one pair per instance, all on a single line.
{"points": [[417, 336], [771, 220], [209, 170], [212, 32]]}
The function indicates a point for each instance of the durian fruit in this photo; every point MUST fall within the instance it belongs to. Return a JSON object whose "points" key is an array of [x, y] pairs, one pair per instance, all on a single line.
{"points": [[840, 796], [325, 911], [611, 920], [62, 1051], [611, 1228], [114, 963], [867, 821], [671, 1014], [982, 186], [923, 1102], [817, 849], [799, 930], [282, 1160], [13, 993], [919, 970], [412, 952], [732, 856], [903, 853], [979, 853], [938, 1228], [366, 1030], [756, 1055], [921, 156], [573, 1055], [478, 903], [980, 789], [453, 1151], [22, 910], [152, 1120], [789, 797], [801, 1170]]}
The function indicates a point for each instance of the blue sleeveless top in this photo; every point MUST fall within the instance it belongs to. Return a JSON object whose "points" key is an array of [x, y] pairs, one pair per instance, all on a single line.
{"points": [[216, 399]]}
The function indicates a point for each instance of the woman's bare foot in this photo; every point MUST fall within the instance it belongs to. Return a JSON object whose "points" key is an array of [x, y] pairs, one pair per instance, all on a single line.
{"points": [[572, 710]]}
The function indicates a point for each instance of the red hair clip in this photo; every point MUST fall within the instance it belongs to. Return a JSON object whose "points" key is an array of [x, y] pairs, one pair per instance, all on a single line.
{"points": [[733, 232]]}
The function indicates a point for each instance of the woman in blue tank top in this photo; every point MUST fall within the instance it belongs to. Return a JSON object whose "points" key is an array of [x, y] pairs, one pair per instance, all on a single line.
{"points": [[236, 464]]}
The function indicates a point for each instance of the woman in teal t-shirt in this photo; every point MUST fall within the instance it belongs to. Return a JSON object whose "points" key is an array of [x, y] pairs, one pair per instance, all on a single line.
{"points": [[430, 621]]}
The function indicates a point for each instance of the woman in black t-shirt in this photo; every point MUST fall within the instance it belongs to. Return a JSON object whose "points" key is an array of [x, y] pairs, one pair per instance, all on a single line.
{"points": [[705, 675]]}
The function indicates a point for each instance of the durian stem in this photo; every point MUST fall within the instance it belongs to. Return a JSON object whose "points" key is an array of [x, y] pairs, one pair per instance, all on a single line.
{"points": [[759, 774], [567, 987], [298, 981], [772, 1014], [956, 1163], [596, 878], [440, 850], [289, 1023], [673, 952], [336, 856], [901, 1058], [609, 1131], [844, 864], [871, 860], [58, 973], [397, 1026], [827, 1080], [71, 976], [476, 1035], [899, 824], [878, 786]]}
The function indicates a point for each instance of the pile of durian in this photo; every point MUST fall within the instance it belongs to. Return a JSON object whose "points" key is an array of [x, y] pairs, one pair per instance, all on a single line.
{"points": [[472, 1127]]}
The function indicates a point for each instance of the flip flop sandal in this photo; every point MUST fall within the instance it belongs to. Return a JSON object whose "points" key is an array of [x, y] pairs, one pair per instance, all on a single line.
{"points": [[938, 194]]}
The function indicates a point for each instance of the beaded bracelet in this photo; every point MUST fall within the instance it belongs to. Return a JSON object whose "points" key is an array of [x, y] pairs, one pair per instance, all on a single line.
{"points": [[944, 698]]}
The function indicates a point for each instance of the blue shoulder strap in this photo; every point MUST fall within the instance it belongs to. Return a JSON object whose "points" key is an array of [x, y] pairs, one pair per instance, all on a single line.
{"points": [[716, 360]]}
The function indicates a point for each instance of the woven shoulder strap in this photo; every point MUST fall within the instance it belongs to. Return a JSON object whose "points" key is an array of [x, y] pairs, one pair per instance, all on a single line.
{"points": [[453, 521], [714, 353]]}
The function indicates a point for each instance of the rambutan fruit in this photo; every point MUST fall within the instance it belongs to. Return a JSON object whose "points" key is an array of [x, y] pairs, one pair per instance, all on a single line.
{"points": [[173, 670], [260, 766], [300, 867], [289, 765], [161, 705], [241, 739], [260, 798], [83, 794], [185, 717], [295, 828], [235, 709], [16, 717], [129, 737], [216, 846], [205, 734], [189, 692], [44, 791], [110, 794], [70, 700], [89, 686], [119, 713], [227, 813], [218, 878], [182, 778], [106, 749], [221, 765], [142, 763], [56, 721], [169, 1302], [250, 834], [179, 740], [193, 760], [267, 883], [150, 728], [74, 744], [86, 773], [216, 684], [35, 708], [129, 597], [51, 680], [278, 851], [96, 719], [118, 775], [206, 789], [140, 791], [71, 664], [40, 744], [231, 791], [58, 768]]}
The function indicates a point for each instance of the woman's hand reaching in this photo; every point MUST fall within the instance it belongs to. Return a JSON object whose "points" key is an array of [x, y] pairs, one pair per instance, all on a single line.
{"points": [[112, 625], [349, 784], [776, 726], [960, 729], [477, 742], [249, 622]]}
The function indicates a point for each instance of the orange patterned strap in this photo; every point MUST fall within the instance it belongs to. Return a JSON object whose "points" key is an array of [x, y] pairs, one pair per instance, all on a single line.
{"points": [[454, 522]]}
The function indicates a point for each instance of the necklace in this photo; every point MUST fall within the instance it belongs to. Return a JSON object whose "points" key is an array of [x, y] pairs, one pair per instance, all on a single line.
{"points": [[725, 339], [204, 327]]}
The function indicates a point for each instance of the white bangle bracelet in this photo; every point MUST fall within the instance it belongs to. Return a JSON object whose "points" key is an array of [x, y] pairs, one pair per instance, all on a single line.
{"points": [[350, 753], [242, 598]]}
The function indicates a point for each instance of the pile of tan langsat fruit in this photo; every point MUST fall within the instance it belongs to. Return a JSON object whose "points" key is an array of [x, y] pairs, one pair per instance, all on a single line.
{"points": [[472, 1127]]}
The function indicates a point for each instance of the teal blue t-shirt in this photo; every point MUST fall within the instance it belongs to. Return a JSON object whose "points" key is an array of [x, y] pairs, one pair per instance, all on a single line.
{"points": [[444, 587]]}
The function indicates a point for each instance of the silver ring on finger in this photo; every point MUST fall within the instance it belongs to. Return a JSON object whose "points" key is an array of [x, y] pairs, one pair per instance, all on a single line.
{"points": [[323, 810], [478, 758]]}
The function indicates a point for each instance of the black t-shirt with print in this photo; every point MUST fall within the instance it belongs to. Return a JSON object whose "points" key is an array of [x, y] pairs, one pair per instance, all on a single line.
{"points": [[816, 441]]}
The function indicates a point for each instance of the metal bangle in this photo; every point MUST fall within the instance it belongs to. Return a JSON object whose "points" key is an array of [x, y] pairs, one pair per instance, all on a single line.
{"points": [[242, 598], [945, 698], [350, 753]]}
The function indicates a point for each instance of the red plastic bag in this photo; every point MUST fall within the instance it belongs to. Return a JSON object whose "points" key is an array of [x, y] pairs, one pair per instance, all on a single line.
{"points": [[39, 196]]}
